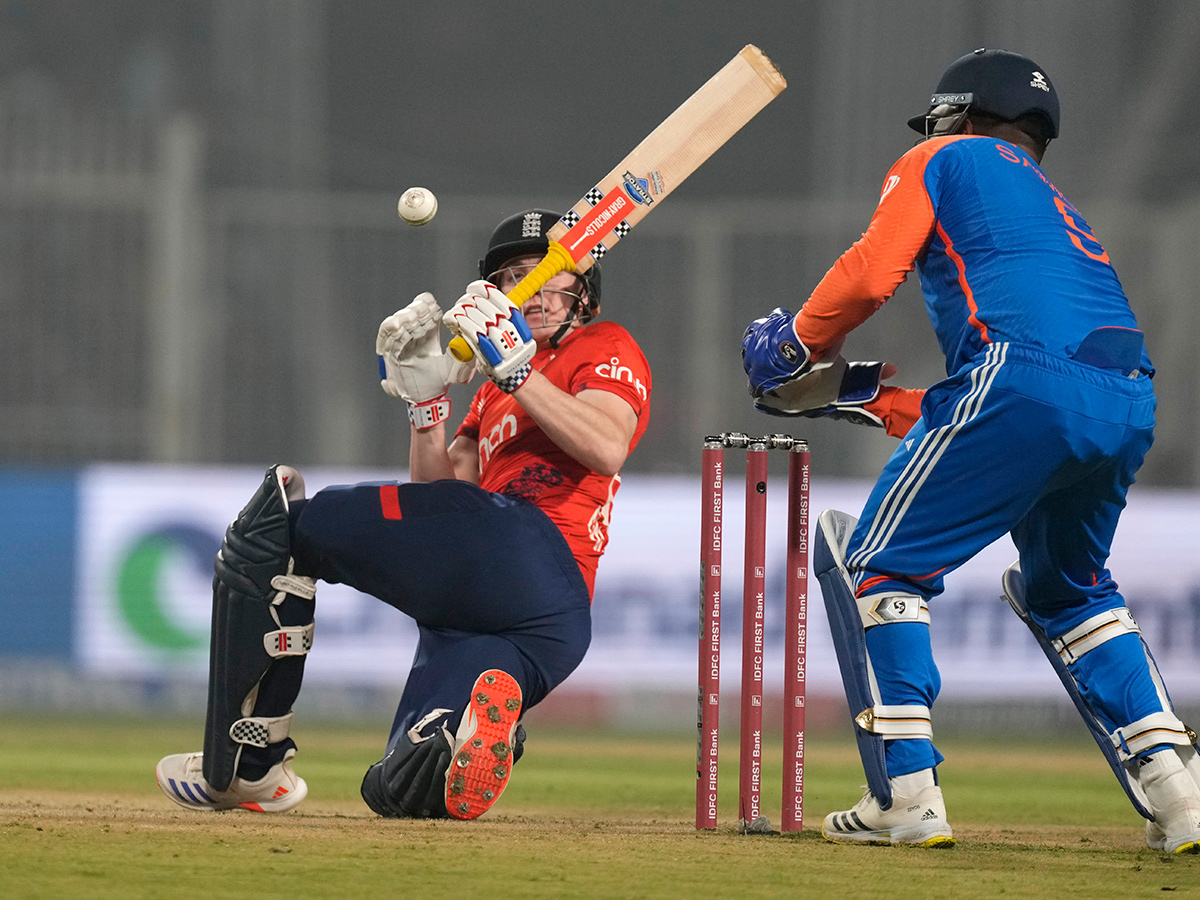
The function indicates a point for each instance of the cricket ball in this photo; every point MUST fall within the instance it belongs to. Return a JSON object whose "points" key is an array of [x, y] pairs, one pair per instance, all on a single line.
{"points": [[417, 206]]}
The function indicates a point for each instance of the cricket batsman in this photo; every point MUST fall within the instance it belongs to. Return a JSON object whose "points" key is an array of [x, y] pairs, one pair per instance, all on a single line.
{"points": [[1044, 417], [491, 548]]}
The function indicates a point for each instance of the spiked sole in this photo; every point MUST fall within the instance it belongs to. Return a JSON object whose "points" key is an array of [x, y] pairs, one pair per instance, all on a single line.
{"points": [[481, 766]]}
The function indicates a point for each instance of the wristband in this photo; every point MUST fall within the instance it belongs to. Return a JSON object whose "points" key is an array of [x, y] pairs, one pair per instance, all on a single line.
{"points": [[431, 412]]}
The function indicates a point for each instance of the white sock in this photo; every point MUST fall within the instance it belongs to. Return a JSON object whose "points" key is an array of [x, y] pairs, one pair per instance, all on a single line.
{"points": [[1166, 781], [913, 783]]}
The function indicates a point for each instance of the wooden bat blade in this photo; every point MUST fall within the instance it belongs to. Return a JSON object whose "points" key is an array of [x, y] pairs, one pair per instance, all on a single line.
{"points": [[654, 168], [668, 155]]}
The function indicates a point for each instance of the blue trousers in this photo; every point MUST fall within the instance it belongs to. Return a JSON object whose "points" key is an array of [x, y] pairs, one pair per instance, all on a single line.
{"points": [[489, 580], [1025, 443]]}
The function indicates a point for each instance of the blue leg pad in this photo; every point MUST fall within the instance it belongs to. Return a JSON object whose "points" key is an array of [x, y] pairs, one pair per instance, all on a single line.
{"points": [[833, 533], [1014, 592]]}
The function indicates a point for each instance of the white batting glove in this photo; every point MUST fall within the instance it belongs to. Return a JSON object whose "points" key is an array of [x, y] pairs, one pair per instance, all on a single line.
{"points": [[497, 332], [412, 364]]}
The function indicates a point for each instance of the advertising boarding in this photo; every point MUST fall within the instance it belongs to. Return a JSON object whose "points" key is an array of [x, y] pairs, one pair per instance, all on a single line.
{"points": [[148, 535]]}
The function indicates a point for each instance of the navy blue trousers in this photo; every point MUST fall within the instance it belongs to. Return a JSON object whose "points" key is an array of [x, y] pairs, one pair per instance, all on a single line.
{"points": [[489, 580]]}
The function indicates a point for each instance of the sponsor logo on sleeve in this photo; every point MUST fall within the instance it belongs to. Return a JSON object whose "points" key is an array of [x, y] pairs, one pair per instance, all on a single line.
{"points": [[889, 186], [618, 372]]}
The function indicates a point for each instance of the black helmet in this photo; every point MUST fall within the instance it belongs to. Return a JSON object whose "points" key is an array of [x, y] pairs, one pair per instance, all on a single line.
{"points": [[997, 83], [525, 234]]}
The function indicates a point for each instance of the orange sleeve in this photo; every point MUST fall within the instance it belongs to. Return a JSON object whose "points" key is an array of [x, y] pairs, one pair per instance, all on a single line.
{"points": [[867, 274], [898, 407]]}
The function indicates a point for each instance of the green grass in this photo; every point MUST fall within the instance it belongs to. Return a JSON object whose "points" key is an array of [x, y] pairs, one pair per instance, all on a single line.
{"points": [[588, 814]]}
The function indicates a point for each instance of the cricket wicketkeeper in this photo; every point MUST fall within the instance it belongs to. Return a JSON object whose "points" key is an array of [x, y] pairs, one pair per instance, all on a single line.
{"points": [[1044, 418]]}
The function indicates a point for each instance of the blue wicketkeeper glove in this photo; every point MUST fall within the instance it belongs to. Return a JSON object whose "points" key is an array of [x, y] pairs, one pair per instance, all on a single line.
{"points": [[772, 355]]}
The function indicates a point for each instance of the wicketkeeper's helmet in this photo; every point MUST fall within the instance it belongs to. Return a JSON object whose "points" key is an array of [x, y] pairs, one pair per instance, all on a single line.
{"points": [[997, 83]]}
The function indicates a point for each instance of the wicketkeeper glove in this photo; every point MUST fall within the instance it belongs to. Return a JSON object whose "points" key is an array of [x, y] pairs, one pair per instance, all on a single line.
{"points": [[497, 332], [840, 390], [772, 355], [412, 364]]}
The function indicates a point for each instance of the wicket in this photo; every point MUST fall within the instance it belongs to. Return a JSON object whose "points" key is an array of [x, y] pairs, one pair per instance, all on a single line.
{"points": [[750, 817]]}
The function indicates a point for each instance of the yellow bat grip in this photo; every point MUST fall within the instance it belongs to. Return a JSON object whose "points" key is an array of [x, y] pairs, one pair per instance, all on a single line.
{"points": [[556, 260]]}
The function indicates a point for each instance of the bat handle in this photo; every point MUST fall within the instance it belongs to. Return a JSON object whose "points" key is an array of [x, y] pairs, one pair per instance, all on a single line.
{"points": [[557, 259]]}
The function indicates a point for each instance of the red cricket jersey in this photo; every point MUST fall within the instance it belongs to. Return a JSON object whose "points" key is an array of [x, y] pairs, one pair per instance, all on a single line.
{"points": [[518, 459]]}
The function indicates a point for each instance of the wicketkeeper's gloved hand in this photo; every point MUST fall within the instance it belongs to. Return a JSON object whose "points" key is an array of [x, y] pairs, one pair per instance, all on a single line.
{"points": [[772, 355], [497, 332], [841, 390], [412, 364]]}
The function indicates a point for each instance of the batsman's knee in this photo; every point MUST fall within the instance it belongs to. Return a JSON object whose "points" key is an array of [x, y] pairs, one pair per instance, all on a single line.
{"points": [[410, 781]]}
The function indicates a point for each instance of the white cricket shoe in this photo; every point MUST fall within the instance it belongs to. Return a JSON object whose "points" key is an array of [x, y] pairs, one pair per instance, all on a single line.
{"points": [[919, 820], [181, 778], [1174, 798]]}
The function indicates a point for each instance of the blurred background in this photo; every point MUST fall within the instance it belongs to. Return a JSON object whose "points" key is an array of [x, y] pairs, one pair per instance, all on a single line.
{"points": [[198, 234]]}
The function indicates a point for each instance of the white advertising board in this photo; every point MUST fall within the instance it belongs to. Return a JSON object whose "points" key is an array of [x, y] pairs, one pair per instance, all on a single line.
{"points": [[148, 536]]}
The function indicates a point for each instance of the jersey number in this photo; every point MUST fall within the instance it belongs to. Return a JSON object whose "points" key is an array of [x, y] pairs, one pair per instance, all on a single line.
{"points": [[1079, 233]]}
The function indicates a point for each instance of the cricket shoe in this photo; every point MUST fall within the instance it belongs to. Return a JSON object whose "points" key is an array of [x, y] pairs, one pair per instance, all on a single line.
{"points": [[1174, 798], [483, 755], [181, 778], [919, 820], [1181, 841]]}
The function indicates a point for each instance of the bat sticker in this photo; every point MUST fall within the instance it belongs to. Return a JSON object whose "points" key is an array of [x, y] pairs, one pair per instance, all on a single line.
{"points": [[596, 223], [638, 189]]}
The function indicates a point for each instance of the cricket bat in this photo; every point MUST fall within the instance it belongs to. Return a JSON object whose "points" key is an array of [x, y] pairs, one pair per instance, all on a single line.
{"points": [[654, 168]]}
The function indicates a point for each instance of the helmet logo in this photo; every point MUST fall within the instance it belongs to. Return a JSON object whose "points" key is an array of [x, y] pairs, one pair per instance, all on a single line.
{"points": [[532, 226], [1039, 81]]}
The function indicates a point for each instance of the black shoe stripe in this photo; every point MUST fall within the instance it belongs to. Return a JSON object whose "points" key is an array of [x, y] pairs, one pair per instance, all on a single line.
{"points": [[849, 822]]}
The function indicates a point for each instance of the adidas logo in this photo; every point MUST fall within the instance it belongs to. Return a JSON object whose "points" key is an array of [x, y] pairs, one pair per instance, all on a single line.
{"points": [[279, 792], [929, 814]]}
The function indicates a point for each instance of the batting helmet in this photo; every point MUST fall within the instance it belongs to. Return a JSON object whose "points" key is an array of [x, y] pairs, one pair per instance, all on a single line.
{"points": [[524, 234], [997, 83]]}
